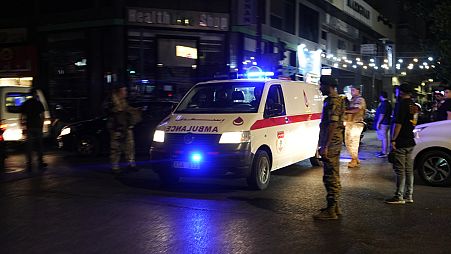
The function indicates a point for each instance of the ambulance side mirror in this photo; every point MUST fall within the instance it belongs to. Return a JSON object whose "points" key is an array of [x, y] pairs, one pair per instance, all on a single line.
{"points": [[275, 109]]}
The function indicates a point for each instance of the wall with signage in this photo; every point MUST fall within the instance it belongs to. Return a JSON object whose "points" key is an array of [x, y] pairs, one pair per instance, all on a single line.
{"points": [[20, 61], [366, 14], [178, 19]]}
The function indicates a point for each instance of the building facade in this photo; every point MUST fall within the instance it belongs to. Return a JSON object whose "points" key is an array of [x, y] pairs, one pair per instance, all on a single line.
{"points": [[348, 39], [77, 51]]}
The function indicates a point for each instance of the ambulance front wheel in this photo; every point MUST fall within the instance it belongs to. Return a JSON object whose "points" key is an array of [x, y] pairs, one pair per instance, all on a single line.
{"points": [[261, 171]]}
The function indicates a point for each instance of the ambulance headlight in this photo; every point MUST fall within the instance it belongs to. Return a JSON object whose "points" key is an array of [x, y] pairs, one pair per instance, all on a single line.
{"points": [[65, 131], [158, 136], [235, 137]]}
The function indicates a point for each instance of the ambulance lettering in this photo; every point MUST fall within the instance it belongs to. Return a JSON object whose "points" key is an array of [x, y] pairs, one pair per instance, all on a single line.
{"points": [[193, 129]]}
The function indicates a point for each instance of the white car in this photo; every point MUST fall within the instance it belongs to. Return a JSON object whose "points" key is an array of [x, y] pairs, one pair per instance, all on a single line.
{"points": [[432, 153]]}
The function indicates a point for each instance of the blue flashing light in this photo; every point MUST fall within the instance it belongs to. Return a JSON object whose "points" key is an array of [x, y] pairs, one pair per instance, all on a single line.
{"points": [[257, 74], [144, 81], [196, 157]]}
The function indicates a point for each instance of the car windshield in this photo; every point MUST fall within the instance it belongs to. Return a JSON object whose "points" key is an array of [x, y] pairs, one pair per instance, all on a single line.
{"points": [[224, 97]]}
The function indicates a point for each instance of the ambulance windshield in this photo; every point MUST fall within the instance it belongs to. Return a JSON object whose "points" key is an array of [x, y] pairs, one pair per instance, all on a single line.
{"points": [[224, 97]]}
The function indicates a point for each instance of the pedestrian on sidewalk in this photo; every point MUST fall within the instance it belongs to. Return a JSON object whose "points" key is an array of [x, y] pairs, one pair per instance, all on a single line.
{"points": [[402, 144], [382, 123], [354, 124], [32, 120], [330, 142], [122, 119]]}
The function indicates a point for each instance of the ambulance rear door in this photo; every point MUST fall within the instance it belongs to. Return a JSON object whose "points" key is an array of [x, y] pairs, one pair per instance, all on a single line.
{"points": [[303, 107]]}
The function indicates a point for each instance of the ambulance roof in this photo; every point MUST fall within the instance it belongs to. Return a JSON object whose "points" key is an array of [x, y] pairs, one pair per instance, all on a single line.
{"points": [[266, 81]]}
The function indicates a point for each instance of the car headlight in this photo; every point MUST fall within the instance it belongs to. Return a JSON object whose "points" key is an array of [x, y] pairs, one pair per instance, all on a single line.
{"points": [[65, 131], [158, 136], [235, 137]]}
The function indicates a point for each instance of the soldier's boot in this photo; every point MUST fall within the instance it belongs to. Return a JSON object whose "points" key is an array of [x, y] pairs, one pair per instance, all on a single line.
{"points": [[326, 214], [115, 168], [132, 166], [354, 163], [337, 210]]}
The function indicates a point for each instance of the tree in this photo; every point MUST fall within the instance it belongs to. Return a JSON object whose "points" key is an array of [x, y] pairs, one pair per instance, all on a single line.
{"points": [[437, 17]]}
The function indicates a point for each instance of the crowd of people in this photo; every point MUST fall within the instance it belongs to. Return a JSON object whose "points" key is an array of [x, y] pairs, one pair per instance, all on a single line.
{"points": [[395, 124]]}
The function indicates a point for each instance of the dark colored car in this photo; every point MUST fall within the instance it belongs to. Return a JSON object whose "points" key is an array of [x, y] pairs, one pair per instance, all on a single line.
{"points": [[92, 137]]}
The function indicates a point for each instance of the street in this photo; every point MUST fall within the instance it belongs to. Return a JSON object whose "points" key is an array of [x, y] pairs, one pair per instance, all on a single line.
{"points": [[78, 206]]}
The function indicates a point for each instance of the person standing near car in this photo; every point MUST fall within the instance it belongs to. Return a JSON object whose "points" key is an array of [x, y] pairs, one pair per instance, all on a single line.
{"points": [[444, 111], [402, 143], [330, 142], [32, 120], [354, 125], [382, 123], [122, 119]]}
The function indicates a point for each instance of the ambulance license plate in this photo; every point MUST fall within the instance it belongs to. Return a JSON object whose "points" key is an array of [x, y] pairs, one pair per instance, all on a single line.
{"points": [[186, 164]]}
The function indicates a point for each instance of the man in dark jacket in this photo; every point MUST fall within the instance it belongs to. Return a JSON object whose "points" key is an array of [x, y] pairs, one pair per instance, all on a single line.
{"points": [[444, 111], [382, 123], [32, 119]]}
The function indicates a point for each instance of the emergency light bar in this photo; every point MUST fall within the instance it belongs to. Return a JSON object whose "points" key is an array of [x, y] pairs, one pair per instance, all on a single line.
{"points": [[258, 74]]}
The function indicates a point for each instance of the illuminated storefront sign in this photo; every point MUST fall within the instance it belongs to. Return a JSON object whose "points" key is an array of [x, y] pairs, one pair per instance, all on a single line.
{"points": [[309, 64], [179, 19], [186, 52], [359, 10]]}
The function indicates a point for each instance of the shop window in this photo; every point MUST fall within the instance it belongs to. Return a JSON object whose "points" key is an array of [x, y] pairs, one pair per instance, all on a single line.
{"points": [[283, 15], [276, 22], [341, 44], [308, 23], [324, 35]]}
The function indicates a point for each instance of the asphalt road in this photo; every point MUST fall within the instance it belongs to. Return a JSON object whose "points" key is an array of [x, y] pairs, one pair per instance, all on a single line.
{"points": [[77, 206]]}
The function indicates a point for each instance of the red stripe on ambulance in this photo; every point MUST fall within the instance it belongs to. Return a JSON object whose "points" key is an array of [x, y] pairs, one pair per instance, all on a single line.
{"points": [[271, 122]]}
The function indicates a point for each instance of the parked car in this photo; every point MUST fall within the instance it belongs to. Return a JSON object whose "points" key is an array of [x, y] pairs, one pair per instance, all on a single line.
{"points": [[432, 153], [91, 137]]}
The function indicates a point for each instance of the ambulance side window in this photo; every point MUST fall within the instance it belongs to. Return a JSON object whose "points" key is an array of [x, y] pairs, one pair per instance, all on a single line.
{"points": [[275, 105]]}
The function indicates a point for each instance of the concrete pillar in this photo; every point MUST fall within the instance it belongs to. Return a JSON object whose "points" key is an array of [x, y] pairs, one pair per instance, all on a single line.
{"points": [[387, 86]]}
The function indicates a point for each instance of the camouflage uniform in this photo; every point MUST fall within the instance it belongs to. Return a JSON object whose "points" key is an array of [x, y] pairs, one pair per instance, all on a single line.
{"points": [[354, 127], [121, 123], [333, 111]]}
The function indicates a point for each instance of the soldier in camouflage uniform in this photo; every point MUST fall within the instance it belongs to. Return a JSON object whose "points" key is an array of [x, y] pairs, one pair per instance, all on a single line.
{"points": [[330, 142], [354, 125], [120, 123]]}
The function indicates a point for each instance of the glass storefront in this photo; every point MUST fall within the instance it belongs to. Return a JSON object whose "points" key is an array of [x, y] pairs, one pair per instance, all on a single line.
{"points": [[166, 64]]}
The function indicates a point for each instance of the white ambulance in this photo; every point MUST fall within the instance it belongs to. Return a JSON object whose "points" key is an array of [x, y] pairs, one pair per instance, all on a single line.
{"points": [[11, 99], [239, 128]]}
